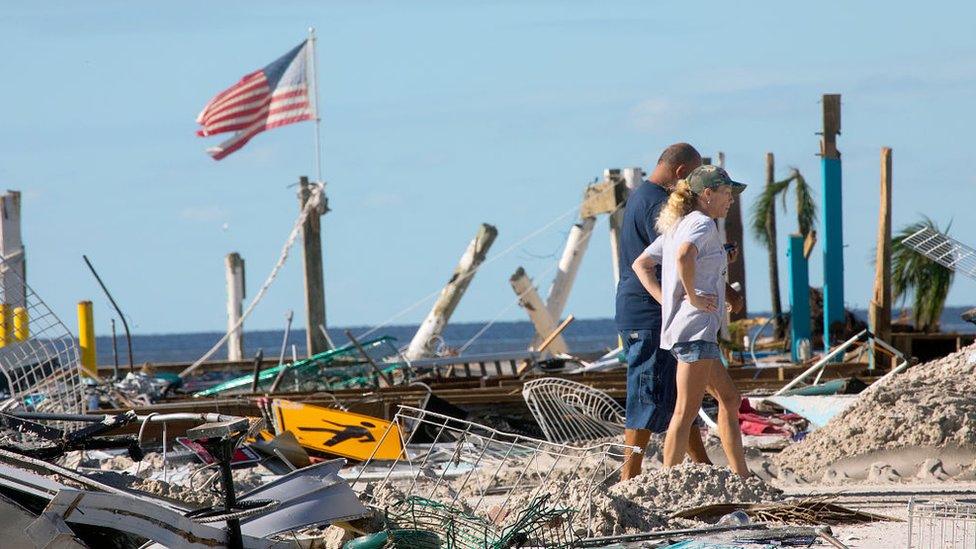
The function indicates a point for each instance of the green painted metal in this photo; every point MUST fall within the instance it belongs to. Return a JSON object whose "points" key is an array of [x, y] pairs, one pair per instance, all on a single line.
{"points": [[799, 295], [308, 366], [831, 221]]}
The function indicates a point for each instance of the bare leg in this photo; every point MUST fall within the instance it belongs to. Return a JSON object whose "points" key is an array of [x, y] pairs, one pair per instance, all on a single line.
{"points": [[632, 463], [696, 446], [691, 388], [721, 386]]}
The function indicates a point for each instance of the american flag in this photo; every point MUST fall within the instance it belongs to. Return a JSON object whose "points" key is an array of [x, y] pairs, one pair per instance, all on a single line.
{"points": [[267, 98]]}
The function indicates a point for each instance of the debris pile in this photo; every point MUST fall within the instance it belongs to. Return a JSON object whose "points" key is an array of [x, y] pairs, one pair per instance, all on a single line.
{"points": [[645, 503], [930, 405]]}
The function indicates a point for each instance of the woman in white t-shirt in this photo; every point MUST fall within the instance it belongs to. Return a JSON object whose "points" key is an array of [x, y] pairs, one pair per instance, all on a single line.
{"points": [[693, 262]]}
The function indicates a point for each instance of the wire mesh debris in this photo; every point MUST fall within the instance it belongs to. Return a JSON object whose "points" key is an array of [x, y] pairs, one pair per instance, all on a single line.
{"points": [[941, 524], [38, 356], [569, 411], [469, 476], [944, 250]]}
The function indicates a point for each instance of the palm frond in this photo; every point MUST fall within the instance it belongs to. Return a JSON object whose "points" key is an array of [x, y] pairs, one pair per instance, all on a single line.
{"points": [[763, 208], [806, 207]]}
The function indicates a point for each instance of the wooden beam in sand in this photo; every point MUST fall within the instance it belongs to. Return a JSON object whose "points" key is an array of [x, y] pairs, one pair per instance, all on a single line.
{"points": [[734, 234], [879, 314], [538, 313], [13, 274], [569, 263], [432, 326]]}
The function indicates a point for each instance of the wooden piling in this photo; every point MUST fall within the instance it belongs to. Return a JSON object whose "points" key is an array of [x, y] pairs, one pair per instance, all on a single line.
{"points": [[576, 243], [617, 192], [315, 342], [879, 314], [777, 305], [722, 237], [451, 295], [734, 234], [13, 270], [538, 313], [235, 305]]}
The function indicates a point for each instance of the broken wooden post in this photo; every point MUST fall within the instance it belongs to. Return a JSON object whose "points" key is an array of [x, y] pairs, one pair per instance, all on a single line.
{"points": [[450, 296], [773, 253], [608, 196], [576, 243], [13, 269], [831, 220], [733, 235], [720, 223], [314, 281], [879, 314], [538, 313], [235, 305]]}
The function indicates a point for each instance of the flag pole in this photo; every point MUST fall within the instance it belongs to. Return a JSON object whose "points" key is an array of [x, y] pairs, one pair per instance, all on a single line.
{"points": [[315, 97]]}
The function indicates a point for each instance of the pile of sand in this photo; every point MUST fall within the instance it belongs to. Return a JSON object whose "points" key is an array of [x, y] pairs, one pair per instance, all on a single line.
{"points": [[643, 503], [646, 502], [928, 405]]}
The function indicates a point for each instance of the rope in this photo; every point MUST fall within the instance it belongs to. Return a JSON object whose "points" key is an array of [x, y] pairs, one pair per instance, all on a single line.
{"points": [[472, 272], [313, 202]]}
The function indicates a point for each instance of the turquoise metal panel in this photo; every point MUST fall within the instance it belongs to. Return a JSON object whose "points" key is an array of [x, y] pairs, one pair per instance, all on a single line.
{"points": [[832, 230], [799, 294]]}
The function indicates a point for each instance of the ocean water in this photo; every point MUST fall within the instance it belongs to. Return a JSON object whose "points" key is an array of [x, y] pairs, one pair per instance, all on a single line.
{"points": [[583, 335]]}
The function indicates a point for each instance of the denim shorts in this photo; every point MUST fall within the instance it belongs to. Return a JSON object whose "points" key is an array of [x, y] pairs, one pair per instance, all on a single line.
{"points": [[651, 388], [693, 351]]}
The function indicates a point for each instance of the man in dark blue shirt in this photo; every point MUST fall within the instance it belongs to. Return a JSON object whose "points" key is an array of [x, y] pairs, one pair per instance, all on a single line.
{"points": [[650, 370]]}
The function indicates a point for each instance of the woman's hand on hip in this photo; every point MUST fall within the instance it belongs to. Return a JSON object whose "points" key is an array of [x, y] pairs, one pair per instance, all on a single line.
{"points": [[704, 302]]}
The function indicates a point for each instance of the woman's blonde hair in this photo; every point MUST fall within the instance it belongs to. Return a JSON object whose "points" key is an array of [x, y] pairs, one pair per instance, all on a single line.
{"points": [[680, 204]]}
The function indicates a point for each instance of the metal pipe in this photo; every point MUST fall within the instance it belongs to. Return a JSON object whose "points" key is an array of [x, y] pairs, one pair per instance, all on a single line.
{"points": [[125, 325], [258, 358], [115, 353], [822, 362], [281, 356], [379, 372]]}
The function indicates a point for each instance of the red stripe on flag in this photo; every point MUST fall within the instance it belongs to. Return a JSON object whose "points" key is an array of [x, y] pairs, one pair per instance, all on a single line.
{"points": [[235, 143], [260, 95], [248, 83], [219, 124]]}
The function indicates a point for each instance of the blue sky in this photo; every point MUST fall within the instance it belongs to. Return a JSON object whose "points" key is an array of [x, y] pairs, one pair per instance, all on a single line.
{"points": [[441, 115]]}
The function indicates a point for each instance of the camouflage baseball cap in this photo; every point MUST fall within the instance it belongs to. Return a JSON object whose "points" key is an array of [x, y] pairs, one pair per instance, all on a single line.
{"points": [[713, 177]]}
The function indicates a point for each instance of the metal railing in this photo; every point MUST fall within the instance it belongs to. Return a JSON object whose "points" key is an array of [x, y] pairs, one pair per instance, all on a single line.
{"points": [[941, 525]]}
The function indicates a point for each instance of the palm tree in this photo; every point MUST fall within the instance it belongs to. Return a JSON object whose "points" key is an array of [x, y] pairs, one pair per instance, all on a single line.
{"points": [[764, 227], [926, 281]]}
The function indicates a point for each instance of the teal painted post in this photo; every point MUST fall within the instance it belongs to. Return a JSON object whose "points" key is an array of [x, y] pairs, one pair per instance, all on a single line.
{"points": [[799, 295], [833, 246]]}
